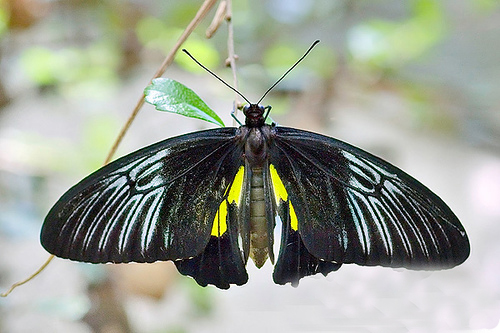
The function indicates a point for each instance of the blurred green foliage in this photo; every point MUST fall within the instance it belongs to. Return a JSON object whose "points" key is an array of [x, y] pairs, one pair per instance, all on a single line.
{"points": [[155, 33], [486, 6], [158, 34], [201, 49], [4, 18], [99, 131], [202, 298], [90, 68], [388, 45], [374, 44]]}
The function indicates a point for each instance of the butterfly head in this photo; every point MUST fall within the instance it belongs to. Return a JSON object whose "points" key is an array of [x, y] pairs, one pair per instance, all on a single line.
{"points": [[254, 114]]}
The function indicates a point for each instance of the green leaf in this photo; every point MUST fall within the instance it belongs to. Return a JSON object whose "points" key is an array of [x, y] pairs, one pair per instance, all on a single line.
{"points": [[172, 96]]}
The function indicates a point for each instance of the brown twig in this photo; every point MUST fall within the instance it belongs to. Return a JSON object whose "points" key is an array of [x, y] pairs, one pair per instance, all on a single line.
{"points": [[202, 12], [219, 16], [31, 277], [231, 61]]}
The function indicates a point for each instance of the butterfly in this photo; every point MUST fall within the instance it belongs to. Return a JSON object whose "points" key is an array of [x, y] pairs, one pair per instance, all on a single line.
{"points": [[210, 200]]}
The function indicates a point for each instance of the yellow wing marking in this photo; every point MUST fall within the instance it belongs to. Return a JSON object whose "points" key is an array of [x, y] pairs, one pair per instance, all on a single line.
{"points": [[235, 189], [233, 194], [280, 193]]}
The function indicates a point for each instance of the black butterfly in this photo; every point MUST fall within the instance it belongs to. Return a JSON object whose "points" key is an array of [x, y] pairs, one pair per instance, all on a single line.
{"points": [[208, 200]]}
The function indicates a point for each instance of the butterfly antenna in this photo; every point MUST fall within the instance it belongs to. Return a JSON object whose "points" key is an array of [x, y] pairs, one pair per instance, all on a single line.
{"points": [[289, 70], [216, 76]]}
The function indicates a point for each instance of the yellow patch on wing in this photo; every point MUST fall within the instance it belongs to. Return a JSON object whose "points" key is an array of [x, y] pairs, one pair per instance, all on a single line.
{"points": [[235, 189], [233, 194], [280, 193], [294, 223]]}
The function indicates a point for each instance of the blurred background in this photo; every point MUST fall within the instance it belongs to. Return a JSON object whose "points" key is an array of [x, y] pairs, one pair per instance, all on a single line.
{"points": [[415, 82]]}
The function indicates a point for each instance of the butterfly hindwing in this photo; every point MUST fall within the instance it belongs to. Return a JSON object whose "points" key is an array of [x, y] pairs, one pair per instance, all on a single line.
{"points": [[294, 260], [158, 203], [352, 207], [222, 262]]}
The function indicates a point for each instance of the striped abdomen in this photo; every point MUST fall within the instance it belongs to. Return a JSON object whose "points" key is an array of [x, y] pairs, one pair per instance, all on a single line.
{"points": [[258, 223]]}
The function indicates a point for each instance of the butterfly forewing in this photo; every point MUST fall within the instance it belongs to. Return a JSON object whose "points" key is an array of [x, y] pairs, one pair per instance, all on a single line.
{"points": [[353, 207], [157, 203]]}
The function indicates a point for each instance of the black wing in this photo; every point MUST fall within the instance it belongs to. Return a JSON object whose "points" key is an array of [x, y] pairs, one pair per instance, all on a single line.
{"points": [[157, 203], [222, 262], [294, 260], [353, 207]]}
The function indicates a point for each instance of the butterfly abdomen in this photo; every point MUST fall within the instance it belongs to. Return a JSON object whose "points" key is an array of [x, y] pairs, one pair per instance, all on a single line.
{"points": [[256, 141], [259, 241]]}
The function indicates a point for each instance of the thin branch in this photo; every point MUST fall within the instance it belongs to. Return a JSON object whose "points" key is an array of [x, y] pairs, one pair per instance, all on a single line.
{"points": [[219, 16], [31, 277], [231, 61]]}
